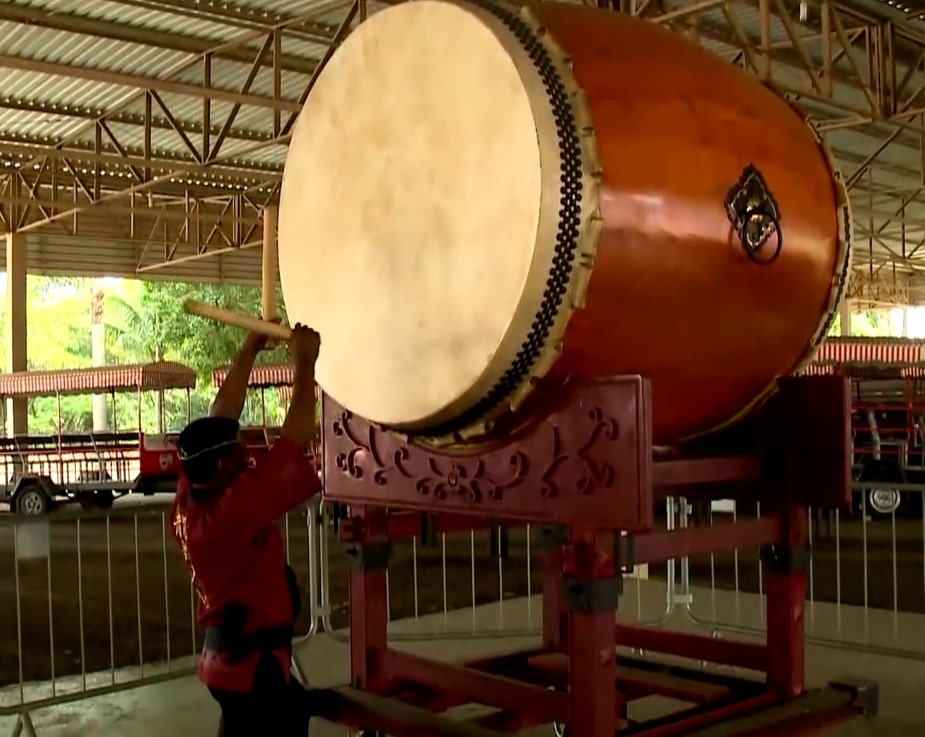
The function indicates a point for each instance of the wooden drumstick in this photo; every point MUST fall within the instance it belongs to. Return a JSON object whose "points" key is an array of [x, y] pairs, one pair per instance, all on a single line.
{"points": [[237, 319], [269, 264]]}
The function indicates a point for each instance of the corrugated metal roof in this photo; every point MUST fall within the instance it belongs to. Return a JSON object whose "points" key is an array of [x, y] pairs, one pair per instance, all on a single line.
{"points": [[197, 26], [232, 76], [20, 85], [87, 51], [209, 20], [218, 23], [94, 52], [143, 17], [20, 124]]}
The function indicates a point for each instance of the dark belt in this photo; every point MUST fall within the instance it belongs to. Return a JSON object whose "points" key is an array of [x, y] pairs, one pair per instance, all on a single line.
{"points": [[238, 646]]}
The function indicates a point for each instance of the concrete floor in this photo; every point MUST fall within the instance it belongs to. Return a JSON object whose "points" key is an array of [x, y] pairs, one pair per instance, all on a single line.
{"points": [[182, 707]]}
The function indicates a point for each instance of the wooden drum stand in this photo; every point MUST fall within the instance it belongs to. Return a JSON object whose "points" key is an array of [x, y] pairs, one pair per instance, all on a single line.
{"points": [[588, 470]]}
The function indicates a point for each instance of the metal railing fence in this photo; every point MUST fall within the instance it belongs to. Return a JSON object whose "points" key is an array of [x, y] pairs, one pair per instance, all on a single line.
{"points": [[101, 602]]}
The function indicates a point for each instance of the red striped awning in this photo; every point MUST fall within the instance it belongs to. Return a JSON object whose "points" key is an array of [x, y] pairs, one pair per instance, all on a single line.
{"points": [[885, 350], [160, 375], [867, 370], [818, 368], [261, 376], [285, 393]]}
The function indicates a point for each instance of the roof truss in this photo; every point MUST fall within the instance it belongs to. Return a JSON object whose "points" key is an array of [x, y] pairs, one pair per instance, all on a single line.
{"points": [[159, 127]]}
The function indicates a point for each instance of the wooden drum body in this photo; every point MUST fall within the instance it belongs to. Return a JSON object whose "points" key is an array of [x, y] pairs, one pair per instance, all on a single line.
{"points": [[480, 203]]}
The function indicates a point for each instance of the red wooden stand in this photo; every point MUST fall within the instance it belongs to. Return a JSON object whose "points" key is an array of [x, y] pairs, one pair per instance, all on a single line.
{"points": [[589, 472]]}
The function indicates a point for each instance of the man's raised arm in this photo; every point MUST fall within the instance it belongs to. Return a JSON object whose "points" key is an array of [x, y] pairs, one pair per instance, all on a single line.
{"points": [[284, 478], [299, 425], [229, 402]]}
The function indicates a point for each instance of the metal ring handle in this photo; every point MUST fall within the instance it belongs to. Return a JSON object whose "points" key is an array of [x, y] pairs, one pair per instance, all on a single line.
{"points": [[766, 214]]}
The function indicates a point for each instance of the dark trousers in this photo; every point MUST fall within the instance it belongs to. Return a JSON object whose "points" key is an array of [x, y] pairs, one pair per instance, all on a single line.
{"points": [[273, 707]]}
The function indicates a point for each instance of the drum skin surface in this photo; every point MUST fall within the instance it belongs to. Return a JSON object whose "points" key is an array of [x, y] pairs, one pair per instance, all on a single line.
{"points": [[479, 205]]}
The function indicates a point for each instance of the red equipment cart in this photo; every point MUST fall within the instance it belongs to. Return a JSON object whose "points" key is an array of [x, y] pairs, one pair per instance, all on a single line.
{"points": [[36, 471], [888, 432]]}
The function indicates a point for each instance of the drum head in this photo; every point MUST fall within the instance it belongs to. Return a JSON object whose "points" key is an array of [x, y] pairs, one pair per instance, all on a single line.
{"points": [[409, 214]]}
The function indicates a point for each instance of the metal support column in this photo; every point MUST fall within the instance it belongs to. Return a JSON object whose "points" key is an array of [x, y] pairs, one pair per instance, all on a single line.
{"points": [[100, 402], [844, 317], [269, 264], [16, 268]]}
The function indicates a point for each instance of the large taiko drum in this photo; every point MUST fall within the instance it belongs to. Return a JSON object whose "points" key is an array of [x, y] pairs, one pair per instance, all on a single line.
{"points": [[482, 201]]}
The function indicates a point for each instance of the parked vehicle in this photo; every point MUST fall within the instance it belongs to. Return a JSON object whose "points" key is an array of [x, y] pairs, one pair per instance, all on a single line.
{"points": [[887, 377], [39, 472], [888, 428]]}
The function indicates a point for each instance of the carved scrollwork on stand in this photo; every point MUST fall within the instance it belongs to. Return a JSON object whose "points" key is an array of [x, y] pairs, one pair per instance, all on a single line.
{"points": [[586, 473], [470, 478], [593, 443], [571, 454], [351, 462]]}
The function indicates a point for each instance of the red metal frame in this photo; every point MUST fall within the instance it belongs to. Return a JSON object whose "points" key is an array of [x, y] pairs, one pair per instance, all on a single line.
{"points": [[893, 391], [894, 416], [589, 471]]}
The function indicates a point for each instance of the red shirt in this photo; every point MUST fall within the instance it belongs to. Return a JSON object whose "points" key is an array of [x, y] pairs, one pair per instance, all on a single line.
{"points": [[236, 553]]}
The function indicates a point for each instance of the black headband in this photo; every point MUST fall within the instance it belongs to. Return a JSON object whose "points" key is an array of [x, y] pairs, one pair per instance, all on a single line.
{"points": [[205, 436]]}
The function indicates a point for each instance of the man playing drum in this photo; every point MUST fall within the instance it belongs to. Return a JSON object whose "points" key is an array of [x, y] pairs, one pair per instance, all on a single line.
{"points": [[224, 519]]}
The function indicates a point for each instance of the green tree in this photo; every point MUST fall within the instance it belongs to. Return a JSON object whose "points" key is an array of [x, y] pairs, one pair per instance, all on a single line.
{"points": [[59, 328], [137, 332], [148, 322], [871, 323], [145, 322]]}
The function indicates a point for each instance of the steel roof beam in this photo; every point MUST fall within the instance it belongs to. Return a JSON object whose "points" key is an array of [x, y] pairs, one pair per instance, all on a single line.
{"points": [[244, 18], [172, 225], [760, 61], [190, 127], [167, 212], [139, 161], [210, 150], [147, 96], [147, 185], [837, 47], [70, 23], [342, 30], [139, 82]]}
